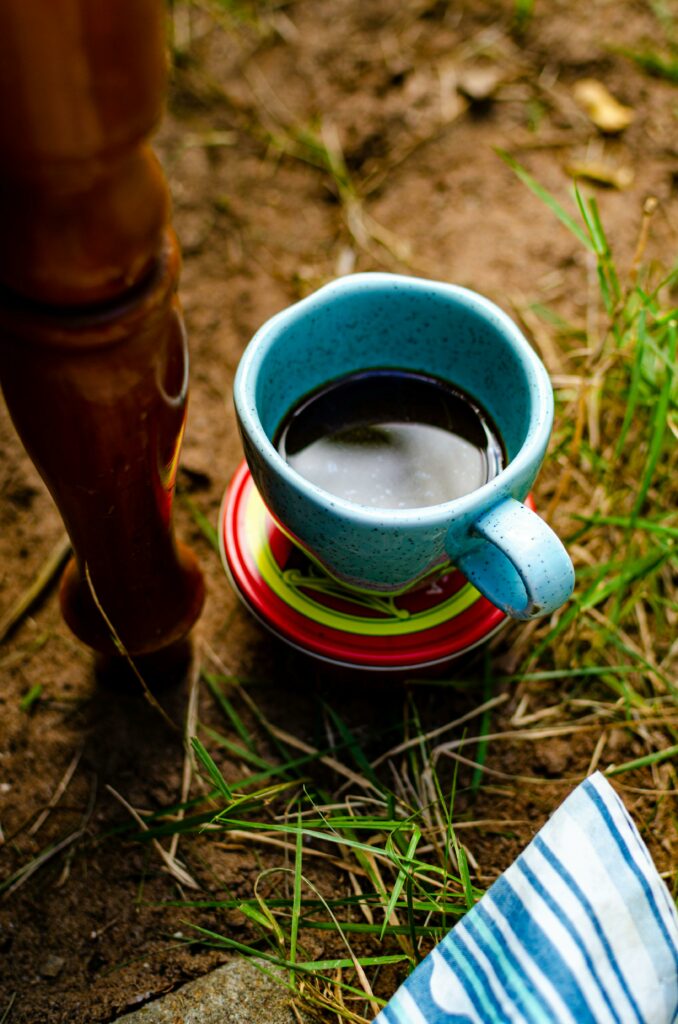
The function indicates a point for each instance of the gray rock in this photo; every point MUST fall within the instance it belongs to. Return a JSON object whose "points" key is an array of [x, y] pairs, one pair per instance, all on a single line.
{"points": [[238, 993]]}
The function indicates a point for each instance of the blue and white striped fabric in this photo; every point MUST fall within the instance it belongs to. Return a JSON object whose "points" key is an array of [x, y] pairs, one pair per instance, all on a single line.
{"points": [[579, 930]]}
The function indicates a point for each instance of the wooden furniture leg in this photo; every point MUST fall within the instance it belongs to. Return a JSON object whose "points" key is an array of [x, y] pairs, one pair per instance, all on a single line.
{"points": [[93, 355]]}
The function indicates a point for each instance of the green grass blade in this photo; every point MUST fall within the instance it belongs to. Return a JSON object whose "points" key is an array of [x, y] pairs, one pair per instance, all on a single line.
{"points": [[201, 521], [643, 762], [272, 924], [180, 826], [655, 63], [462, 861], [215, 775], [659, 425], [30, 698], [242, 753], [254, 913], [546, 198], [603, 587], [351, 744], [628, 523], [401, 878], [364, 961], [566, 673], [229, 711], [296, 898], [411, 922], [609, 278], [523, 13]]}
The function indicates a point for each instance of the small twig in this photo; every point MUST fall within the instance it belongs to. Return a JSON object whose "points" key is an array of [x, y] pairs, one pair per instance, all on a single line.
{"points": [[649, 208], [173, 866], [57, 794], [48, 571], [297, 1016]]}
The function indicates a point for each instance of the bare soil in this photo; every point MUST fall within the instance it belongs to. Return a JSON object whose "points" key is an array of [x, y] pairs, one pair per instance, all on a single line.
{"points": [[389, 84]]}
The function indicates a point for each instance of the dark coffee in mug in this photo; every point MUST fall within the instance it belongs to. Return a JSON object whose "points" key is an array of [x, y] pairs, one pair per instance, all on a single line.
{"points": [[391, 439]]}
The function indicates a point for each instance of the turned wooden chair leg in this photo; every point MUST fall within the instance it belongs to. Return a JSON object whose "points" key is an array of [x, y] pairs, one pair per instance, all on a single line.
{"points": [[93, 355]]}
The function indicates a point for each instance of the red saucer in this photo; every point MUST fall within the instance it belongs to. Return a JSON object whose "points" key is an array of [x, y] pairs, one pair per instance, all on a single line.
{"points": [[302, 605]]}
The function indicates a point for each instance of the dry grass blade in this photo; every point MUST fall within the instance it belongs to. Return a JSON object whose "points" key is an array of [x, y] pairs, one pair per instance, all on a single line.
{"points": [[238, 837], [190, 731], [365, 983], [8, 1009], [57, 794], [597, 753], [29, 869], [434, 733], [650, 207], [173, 866], [21, 876], [120, 647], [362, 977], [48, 571], [532, 780], [575, 445], [292, 741], [537, 735], [329, 762]]}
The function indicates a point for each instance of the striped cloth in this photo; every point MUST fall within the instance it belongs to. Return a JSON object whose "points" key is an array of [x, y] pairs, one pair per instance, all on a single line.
{"points": [[579, 930]]}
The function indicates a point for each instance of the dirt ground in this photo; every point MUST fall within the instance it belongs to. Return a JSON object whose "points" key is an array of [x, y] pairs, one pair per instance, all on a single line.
{"points": [[417, 96]]}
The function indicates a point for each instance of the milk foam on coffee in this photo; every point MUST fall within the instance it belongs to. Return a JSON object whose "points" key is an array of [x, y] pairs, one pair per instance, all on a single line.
{"points": [[391, 439]]}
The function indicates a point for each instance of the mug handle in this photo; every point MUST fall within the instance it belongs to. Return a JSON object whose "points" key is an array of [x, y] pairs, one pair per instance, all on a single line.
{"points": [[523, 567]]}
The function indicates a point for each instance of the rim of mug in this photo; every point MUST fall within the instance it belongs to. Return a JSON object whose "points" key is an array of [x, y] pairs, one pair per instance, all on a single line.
{"points": [[537, 433]]}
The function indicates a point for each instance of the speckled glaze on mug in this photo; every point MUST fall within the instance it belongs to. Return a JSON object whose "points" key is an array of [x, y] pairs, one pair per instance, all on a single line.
{"points": [[369, 321]]}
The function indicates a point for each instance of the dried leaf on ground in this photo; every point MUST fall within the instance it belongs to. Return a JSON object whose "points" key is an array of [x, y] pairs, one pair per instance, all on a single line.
{"points": [[607, 113], [601, 173]]}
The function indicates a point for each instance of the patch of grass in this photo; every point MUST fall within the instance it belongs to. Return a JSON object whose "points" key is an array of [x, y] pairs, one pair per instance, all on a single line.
{"points": [[654, 63], [319, 146], [372, 847], [402, 875], [624, 452], [661, 60]]}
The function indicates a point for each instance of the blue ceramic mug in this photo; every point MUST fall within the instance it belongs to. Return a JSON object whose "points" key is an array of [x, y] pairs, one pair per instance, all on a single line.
{"points": [[370, 321]]}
